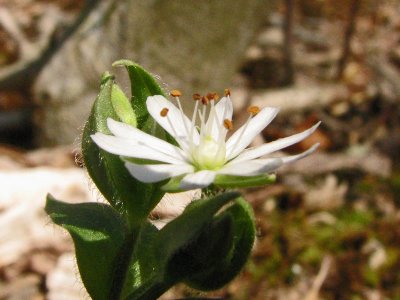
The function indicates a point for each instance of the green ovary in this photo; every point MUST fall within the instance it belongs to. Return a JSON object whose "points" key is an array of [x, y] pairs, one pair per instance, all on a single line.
{"points": [[209, 155]]}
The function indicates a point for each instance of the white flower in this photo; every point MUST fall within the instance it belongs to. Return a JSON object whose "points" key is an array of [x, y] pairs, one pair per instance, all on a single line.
{"points": [[203, 151]]}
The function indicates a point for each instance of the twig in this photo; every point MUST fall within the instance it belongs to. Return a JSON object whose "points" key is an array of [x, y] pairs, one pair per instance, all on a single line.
{"points": [[349, 31], [386, 75], [306, 97], [9, 23], [319, 280], [22, 74]]}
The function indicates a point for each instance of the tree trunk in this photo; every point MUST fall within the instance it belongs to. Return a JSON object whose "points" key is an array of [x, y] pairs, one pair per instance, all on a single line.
{"points": [[194, 46]]}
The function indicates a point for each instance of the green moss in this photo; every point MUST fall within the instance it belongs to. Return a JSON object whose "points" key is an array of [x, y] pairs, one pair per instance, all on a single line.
{"points": [[354, 219], [371, 277], [267, 269], [326, 236], [311, 255], [393, 256]]}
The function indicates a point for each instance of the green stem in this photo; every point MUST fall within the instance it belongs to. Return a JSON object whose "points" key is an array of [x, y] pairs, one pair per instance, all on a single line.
{"points": [[151, 291], [122, 263]]}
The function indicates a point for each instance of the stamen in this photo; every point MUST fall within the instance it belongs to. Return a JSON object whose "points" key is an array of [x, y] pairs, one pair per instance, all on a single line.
{"points": [[228, 124], [222, 132], [196, 97], [253, 110], [212, 114], [227, 92], [212, 96], [175, 93], [204, 100], [164, 112], [192, 128], [202, 121]]}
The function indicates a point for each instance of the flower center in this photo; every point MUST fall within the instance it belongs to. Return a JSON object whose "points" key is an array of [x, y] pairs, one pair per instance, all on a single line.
{"points": [[209, 155], [209, 151]]}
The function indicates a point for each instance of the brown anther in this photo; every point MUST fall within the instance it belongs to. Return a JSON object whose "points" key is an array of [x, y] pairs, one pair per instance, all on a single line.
{"points": [[212, 96], [253, 110], [175, 93], [196, 97], [227, 92], [228, 124], [204, 100], [164, 112]]}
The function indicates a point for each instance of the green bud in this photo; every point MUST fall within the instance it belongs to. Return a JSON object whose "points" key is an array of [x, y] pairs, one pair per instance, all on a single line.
{"points": [[122, 106]]}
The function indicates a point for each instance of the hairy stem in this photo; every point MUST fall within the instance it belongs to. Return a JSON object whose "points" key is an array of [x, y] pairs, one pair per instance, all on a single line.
{"points": [[122, 263]]}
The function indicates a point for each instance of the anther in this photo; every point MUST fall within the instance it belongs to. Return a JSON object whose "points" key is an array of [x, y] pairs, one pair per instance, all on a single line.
{"points": [[212, 96], [227, 92], [204, 100], [164, 112], [175, 93], [196, 96], [228, 124], [253, 110]]}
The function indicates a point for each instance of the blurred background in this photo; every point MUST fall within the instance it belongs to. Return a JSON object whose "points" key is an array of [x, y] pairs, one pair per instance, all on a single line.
{"points": [[330, 226]]}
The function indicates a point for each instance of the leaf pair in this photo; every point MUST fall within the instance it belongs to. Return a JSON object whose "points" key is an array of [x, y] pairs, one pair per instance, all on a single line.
{"points": [[203, 248]]}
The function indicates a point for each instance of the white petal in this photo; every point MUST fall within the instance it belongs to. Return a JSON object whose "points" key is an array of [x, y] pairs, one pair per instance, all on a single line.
{"points": [[275, 145], [223, 110], [155, 173], [156, 103], [126, 131], [131, 148], [197, 180], [238, 141], [251, 167], [292, 158]]}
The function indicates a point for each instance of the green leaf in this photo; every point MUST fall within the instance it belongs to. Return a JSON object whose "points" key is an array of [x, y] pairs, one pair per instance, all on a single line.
{"points": [[187, 227], [243, 231], [228, 181], [129, 196], [211, 246], [142, 86], [143, 267], [164, 247], [98, 233]]}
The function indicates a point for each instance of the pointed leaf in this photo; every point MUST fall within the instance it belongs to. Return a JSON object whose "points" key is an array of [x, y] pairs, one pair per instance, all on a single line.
{"points": [[211, 246], [187, 227], [222, 272], [129, 196], [98, 233], [143, 267]]}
